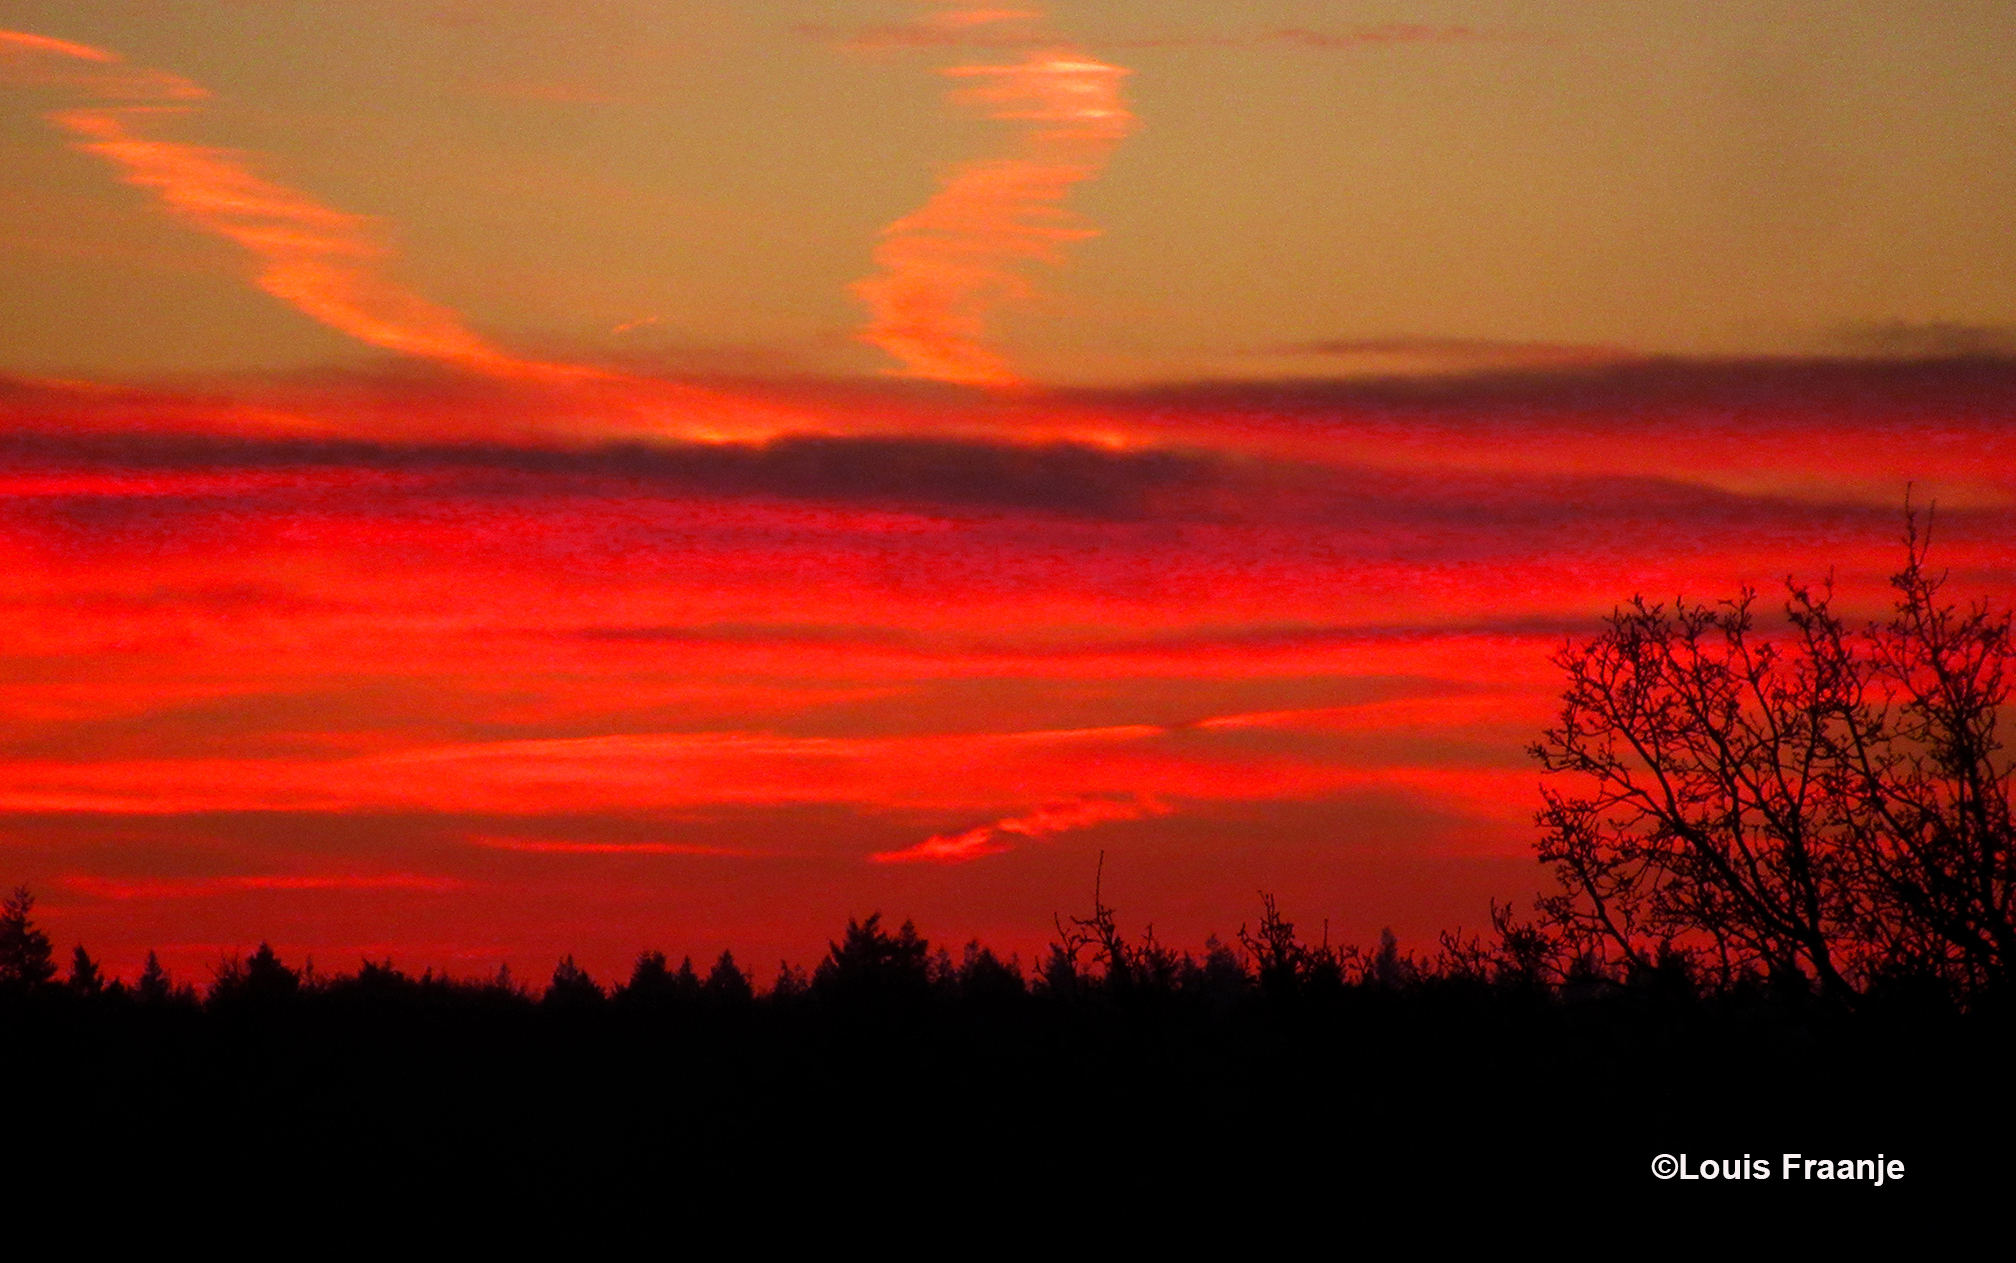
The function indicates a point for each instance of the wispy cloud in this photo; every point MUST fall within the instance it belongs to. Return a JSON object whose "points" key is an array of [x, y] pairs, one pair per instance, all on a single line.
{"points": [[202, 887], [26, 59], [998, 837], [549, 846], [1927, 340], [23, 41], [1373, 36], [943, 28], [1001, 29], [323, 262], [944, 267], [328, 264], [1371, 357]]}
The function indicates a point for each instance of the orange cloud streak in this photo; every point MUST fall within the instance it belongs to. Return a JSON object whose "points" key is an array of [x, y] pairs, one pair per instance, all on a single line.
{"points": [[992, 839], [323, 262], [20, 50], [62, 47], [945, 266]]}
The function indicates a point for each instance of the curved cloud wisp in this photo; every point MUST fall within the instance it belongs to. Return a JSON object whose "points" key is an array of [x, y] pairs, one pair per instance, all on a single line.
{"points": [[994, 839], [28, 42], [326, 263], [945, 266]]}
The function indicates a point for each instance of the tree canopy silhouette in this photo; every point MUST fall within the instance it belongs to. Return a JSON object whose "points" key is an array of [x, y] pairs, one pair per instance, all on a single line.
{"points": [[260, 980], [1825, 803], [871, 965]]}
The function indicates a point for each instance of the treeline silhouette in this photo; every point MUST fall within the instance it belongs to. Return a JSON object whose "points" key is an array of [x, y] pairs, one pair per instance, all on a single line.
{"points": [[871, 970], [1090, 965], [1282, 1065]]}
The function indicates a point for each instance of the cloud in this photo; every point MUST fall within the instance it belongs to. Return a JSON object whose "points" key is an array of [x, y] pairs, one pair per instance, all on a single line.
{"points": [[946, 266], [22, 41], [327, 264], [995, 838], [1373, 36], [806, 635], [548, 846], [1766, 391], [1927, 340], [24, 61], [978, 30], [945, 28], [203, 887], [1356, 357], [1072, 479]]}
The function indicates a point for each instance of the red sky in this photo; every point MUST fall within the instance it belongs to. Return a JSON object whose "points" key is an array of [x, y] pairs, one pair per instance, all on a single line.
{"points": [[274, 672], [467, 646]]}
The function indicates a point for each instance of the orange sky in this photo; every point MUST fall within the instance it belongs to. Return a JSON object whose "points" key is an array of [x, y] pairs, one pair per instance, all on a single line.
{"points": [[357, 608]]}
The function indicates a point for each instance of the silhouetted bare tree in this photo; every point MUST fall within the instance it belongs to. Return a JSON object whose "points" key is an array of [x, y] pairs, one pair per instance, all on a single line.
{"points": [[1121, 965], [1278, 957], [1825, 802]]}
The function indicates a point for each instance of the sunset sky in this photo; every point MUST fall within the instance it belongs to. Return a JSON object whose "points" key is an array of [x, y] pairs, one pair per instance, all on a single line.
{"points": [[492, 479]]}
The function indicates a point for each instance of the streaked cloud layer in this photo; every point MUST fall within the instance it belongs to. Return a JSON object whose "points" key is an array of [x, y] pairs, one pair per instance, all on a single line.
{"points": [[1295, 636]]}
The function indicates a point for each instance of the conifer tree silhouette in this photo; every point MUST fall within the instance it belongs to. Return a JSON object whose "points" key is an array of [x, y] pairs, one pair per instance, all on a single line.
{"points": [[791, 983], [873, 966], [651, 983], [26, 961], [726, 987], [155, 986], [984, 978], [85, 977], [571, 987], [259, 981]]}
